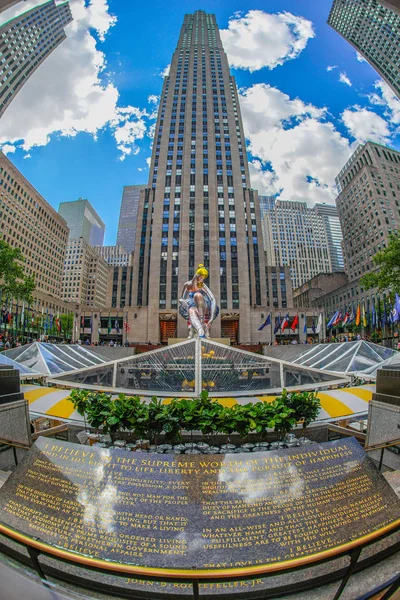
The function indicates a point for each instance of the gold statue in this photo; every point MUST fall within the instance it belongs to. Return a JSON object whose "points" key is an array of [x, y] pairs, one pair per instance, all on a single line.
{"points": [[198, 305]]}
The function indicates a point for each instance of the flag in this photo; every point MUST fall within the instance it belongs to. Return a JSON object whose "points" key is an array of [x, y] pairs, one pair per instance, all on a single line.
{"points": [[346, 318], [364, 317], [116, 324], [319, 324], [335, 319], [58, 322], [313, 324], [384, 313], [373, 310], [285, 322], [51, 321], [358, 315], [109, 324], [99, 324], [266, 322], [396, 309], [83, 321], [91, 323], [277, 323], [127, 328], [295, 323], [352, 316], [305, 325]]}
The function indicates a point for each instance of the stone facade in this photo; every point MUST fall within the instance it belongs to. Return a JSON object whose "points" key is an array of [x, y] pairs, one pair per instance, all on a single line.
{"points": [[198, 207], [128, 216], [85, 275], [368, 205], [28, 222], [308, 295], [115, 256], [296, 236]]}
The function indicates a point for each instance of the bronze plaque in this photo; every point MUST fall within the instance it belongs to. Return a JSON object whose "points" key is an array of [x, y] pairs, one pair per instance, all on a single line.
{"points": [[206, 512]]}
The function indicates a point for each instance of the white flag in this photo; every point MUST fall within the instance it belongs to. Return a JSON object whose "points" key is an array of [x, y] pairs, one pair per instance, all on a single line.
{"points": [[319, 324]]}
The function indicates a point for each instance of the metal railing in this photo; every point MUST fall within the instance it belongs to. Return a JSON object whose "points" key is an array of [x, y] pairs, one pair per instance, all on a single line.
{"points": [[195, 577]]}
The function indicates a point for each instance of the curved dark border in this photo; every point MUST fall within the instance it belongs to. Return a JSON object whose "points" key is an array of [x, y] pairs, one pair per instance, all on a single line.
{"points": [[196, 574]]}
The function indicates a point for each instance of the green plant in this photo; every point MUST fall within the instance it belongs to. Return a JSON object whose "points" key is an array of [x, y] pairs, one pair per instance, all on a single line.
{"points": [[305, 405], [202, 413]]}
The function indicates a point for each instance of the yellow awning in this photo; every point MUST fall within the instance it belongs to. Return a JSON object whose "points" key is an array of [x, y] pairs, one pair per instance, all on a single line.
{"points": [[55, 403]]}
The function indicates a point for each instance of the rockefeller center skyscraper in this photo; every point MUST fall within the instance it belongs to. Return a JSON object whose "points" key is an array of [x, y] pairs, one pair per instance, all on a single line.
{"points": [[198, 206]]}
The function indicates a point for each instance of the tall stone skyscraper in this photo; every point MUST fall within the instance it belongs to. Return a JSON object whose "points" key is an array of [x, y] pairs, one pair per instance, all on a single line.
{"points": [[128, 214], [199, 207], [374, 31], [26, 41], [368, 204]]}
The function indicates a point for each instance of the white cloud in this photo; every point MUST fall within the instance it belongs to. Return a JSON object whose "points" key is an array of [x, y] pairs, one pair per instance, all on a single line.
{"points": [[165, 72], [296, 153], [8, 149], [364, 124], [128, 126], [387, 98], [344, 79], [360, 57], [148, 160], [153, 99], [260, 39], [331, 67], [69, 93]]}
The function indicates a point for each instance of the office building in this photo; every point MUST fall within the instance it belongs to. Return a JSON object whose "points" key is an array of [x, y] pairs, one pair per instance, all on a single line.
{"points": [[369, 211], [26, 41], [126, 235], [368, 204], [83, 221], [120, 286], [198, 206], [28, 222], [85, 275], [295, 236], [115, 256], [330, 216], [374, 31]]}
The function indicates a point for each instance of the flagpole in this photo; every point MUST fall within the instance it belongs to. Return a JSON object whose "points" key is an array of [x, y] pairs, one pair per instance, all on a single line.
{"points": [[271, 327]]}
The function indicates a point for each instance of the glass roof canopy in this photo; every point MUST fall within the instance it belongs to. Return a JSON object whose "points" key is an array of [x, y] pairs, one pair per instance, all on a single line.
{"points": [[51, 359], [345, 358], [195, 365], [24, 371]]}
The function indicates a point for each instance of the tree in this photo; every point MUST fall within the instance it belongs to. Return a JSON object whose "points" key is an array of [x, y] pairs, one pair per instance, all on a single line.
{"points": [[67, 322], [388, 261], [13, 282]]}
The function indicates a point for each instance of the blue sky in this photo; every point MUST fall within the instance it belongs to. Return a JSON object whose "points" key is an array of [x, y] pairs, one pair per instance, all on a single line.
{"points": [[81, 126]]}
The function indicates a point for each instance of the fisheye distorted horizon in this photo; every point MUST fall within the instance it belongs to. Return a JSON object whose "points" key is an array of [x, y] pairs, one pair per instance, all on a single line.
{"points": [[82, 126]]}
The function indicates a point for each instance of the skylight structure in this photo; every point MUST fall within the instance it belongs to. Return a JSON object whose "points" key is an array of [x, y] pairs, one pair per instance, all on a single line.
{"points": [[199, 364], [345, 358], [51, 359]]}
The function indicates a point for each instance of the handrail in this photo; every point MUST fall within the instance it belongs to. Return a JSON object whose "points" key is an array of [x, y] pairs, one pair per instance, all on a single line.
{"points": [[35, 547], [382, 445], [50, 431]]}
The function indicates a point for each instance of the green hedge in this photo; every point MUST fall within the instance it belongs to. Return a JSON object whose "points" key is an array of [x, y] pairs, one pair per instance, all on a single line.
{"points": [[148, 420]]}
